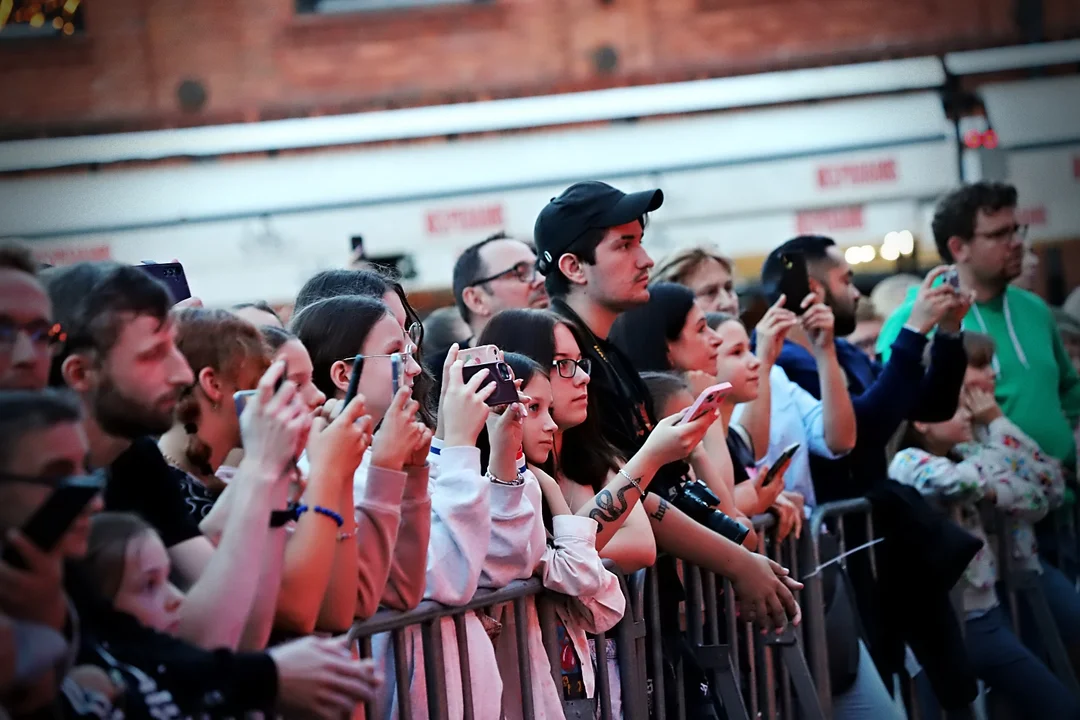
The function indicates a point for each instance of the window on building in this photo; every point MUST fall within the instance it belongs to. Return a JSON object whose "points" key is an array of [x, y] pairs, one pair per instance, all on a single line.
{"points": [[40, 18], [348, 6]]}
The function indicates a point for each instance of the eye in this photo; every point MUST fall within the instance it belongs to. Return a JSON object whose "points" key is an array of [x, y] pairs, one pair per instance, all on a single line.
{"points": [[534, 409]]}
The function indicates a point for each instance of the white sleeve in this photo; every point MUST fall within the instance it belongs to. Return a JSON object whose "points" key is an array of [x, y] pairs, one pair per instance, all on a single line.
{"points": [[517, 533], [572, 566], [460, 525]]}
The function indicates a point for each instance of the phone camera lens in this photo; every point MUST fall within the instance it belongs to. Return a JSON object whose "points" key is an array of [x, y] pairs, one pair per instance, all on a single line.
{"points": [[504, 371]]}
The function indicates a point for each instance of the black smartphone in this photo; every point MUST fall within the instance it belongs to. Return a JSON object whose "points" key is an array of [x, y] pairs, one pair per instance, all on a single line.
{"points": [[172, 276], [354, 379], [498, 373], [357, 244], [794, 281], [52, 520], [241, 397], [780, 465]]}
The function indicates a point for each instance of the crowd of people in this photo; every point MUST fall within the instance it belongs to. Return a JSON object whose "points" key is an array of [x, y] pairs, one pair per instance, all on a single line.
{"points": [[196, 503]]}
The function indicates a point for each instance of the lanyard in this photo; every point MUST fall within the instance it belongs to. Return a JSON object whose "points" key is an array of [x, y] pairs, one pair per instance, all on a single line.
{"points": [[1012, 334]]}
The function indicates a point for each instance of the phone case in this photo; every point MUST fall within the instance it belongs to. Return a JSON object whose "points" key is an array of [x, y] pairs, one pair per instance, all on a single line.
{"points": [[395, 372], [481, 355], [49, 523], [503, 377], [706, 402], [794, 282]]}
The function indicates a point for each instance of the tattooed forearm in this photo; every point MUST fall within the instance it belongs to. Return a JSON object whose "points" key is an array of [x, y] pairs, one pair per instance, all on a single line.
{"points": [[660, 511], [609, 509]]}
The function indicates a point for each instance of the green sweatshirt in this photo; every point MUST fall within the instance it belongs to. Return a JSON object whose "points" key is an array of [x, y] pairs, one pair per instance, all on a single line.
{"points": [[1037, 386]]}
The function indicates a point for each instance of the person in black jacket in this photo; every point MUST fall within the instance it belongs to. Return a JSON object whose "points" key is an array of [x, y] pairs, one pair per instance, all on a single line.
{"points": [[896, 609]]}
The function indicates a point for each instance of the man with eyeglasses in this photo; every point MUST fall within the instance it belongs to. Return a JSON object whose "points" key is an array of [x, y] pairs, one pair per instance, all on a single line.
{"points": [[495, 274], [975, 227], [27, 332]]}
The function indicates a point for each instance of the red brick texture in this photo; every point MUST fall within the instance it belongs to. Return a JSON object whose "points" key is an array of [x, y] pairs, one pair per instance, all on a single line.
{"points": [[263, 60]]}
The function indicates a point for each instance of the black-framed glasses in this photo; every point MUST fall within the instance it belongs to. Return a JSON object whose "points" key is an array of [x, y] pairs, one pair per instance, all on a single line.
{"points": [[43, 335], [568, 368], [1006, 233], [523, 271]]}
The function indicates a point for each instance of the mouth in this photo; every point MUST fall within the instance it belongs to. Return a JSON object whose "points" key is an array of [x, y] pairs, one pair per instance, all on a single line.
{"points": [[581, 399]]}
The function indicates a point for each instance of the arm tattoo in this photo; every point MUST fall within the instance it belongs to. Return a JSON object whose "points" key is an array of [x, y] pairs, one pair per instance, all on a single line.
{"points": [[661, 510], [609, 509]]}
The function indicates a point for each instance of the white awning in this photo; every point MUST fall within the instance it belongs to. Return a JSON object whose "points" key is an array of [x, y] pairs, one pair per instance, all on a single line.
{"points": [[496, 115], [1016, 57], [1031, 113]]}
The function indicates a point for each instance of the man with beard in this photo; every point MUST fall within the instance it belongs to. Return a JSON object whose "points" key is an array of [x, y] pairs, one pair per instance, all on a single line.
{"points": [[975, 227], [120, 358]]}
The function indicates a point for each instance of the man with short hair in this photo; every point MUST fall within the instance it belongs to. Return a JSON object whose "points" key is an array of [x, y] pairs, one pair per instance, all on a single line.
{"points": [[975, 228], [595, 267], [120, 358], [27, 332], [497, 273]]}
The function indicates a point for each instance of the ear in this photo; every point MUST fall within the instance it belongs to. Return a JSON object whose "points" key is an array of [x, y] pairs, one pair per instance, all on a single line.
{"points": [[817, 287], [339, 374], [572, 269], [207, 381], [476, 301], [920, 427], [77, 370], [959, 248]]}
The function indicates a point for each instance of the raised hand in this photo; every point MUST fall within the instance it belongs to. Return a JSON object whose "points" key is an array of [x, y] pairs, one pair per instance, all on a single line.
{"points": [[981, 404], [670, 441], [274, 424], [818, 321], [398, 433], [339, 438], [771, 331], [932, 303], [421, 447], [462, 409], [506, 427]]}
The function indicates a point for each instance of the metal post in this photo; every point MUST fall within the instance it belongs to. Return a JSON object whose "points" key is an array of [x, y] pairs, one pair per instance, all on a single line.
{"points": [[466, 671], [434, 670]]}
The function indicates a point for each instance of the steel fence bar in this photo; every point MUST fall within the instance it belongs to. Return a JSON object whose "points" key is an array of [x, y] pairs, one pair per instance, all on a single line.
{"points": [[401, 671], [462, 634], [434, 670]]}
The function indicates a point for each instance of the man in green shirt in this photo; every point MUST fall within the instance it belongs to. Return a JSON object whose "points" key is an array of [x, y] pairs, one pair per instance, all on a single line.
{"points": [[1037, 387]]}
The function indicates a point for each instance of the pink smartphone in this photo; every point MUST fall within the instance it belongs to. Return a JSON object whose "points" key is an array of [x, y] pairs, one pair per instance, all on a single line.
{"points": [[707, 401], [481, 355]]}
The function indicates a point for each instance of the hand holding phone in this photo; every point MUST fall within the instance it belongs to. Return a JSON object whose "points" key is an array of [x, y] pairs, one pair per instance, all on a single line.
{"points": [[498, 373], [709, 400], [794, 281], [172, 276], [51, 521], [781, 464]]}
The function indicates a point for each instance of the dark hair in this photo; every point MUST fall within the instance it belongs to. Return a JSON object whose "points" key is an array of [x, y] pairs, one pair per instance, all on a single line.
{"points": [[812, 247], [584, 248], [716, 319], [439, 329], [644, 332], [216, 339], [956, 213], [980, 349], [90, 301], [586, 456], [468, 268], [110, 535], [258, 305], [335, 329], [17, 256], [525, 369], [663, 386], [337, 282], [275, 337], [27, 411]]}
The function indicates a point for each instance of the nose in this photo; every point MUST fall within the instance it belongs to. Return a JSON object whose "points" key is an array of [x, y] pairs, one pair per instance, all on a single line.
{"points": [[174, 600], [645, 261], [412, 368], [581, 378], [318, 397], [180, 370], [754, 363], [22, 352], [95, 506], [715, 340]]}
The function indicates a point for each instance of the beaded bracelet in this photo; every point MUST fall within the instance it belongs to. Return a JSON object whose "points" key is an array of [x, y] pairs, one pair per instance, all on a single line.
{"points": [[322, 511]]}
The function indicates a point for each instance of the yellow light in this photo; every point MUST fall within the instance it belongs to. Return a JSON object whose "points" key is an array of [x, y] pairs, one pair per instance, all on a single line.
{"points": [[37, 20], [868, 253], [5, 11], [58, 22], [69, 29], [71, 6], [853, 255], [905, 242], [889, 252]]}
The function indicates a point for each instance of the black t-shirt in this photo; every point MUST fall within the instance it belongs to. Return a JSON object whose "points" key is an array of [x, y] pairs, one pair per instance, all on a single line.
{"points": [[141, 482], [198, 500], [742, 455]]}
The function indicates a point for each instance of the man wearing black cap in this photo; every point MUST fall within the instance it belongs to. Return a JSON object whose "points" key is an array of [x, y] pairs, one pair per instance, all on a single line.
{"points": [[589, 249]]}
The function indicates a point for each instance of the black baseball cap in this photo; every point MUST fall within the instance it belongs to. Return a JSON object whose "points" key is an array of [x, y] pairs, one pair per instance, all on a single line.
{"points": [[585, 206]]}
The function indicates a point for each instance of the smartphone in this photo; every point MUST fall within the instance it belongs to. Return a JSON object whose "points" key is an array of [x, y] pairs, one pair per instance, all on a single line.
{"points": [[706, 402], [354, 379], [794, 281], [172, 276], [482, 355], [395, 372], [356, 242], [503, 377], [952, 277], [780, 465], [52, 520]]}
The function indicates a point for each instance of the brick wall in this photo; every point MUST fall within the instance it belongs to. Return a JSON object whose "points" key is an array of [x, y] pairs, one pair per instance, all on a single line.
{"points": [[262, 60]]}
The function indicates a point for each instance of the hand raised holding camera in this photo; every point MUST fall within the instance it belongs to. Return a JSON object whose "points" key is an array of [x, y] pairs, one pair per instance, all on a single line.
{"points": [[463, 409], [932, 303], [398, 434], [336, 447], [273, 424], [506, 429]]}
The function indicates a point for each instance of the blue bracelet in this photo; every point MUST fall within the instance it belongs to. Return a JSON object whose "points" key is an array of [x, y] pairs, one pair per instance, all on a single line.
{"points": [[322, 511]]}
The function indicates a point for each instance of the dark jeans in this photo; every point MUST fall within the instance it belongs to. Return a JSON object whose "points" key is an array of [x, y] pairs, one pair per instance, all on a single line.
{"points": [[1013, 672]]}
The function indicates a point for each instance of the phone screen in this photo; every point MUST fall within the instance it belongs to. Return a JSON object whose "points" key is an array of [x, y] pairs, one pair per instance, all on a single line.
{"points": [[794, 282], [395, 372], [172, 276], [357, 244]]}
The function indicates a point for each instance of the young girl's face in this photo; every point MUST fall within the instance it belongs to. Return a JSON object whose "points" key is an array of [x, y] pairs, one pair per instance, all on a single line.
{"points": [[981, 378], [736, 364], [570, 394], [298, 362], [539, 429], [145, 592], [376, 379], [952, 432], [697, 344]]}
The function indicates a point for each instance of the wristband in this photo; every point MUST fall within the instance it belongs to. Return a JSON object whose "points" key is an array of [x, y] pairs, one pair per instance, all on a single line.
{"points": [[634, 482], [519, 480], [322, 511], [280, 518]]}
